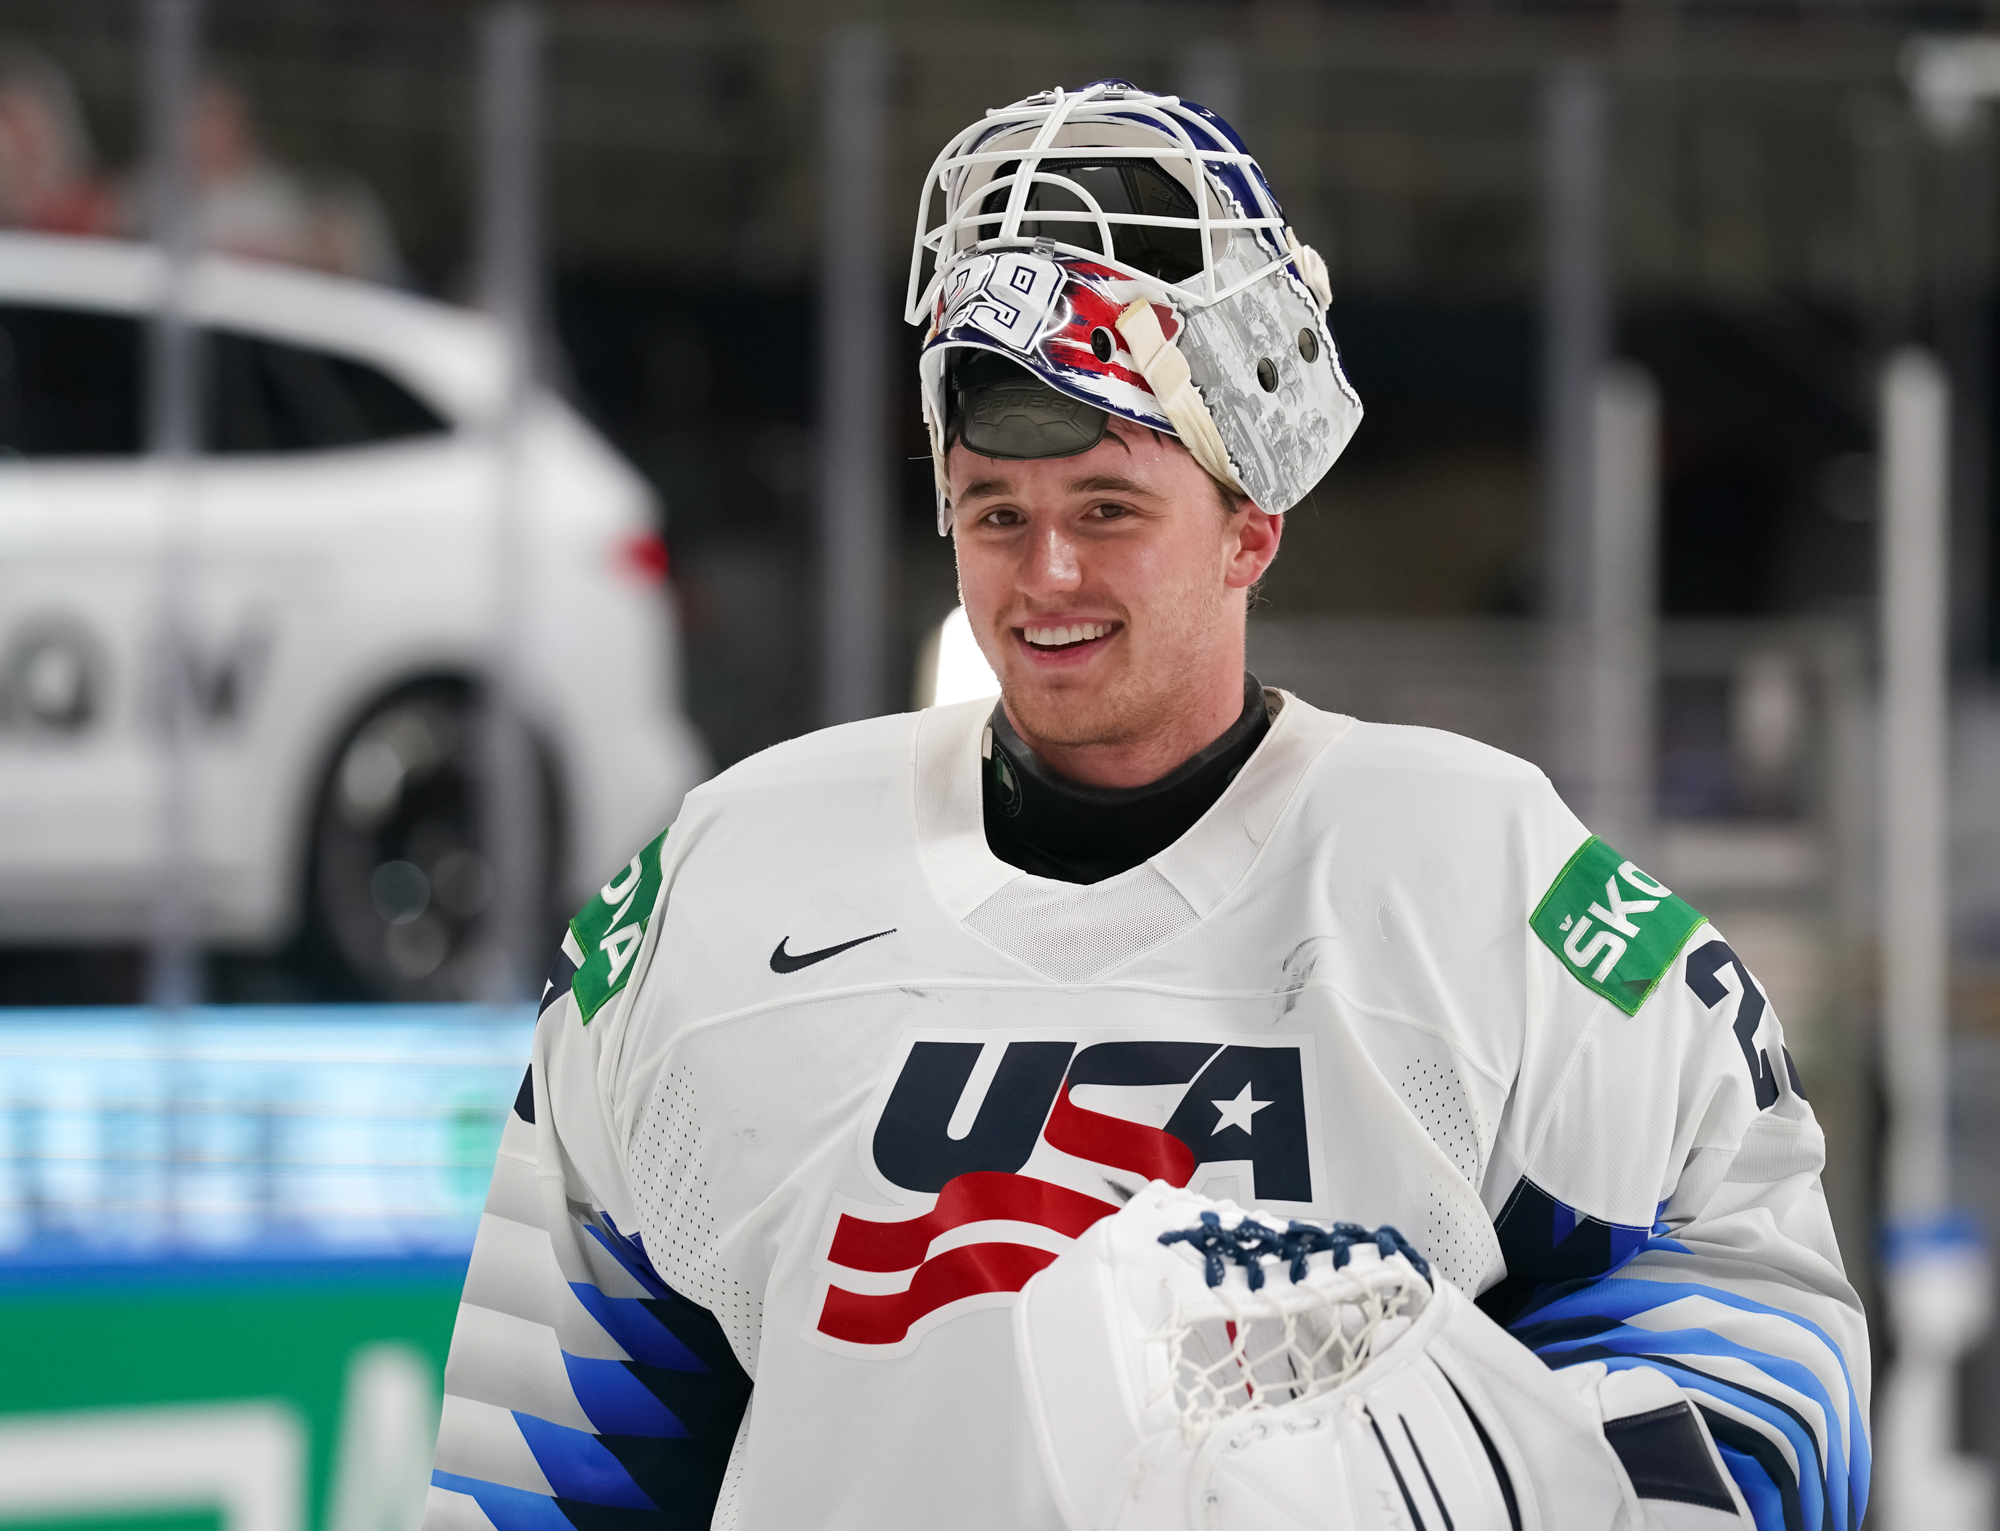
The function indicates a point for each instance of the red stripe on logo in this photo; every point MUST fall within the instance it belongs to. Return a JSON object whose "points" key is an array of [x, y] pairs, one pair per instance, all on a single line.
{"points": [[885, 1319], [981, 1196], [1121, 1144]]}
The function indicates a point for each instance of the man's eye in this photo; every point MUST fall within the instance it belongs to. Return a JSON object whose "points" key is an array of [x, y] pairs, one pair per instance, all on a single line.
{"points": [[1109, 512], [1004, 516]]}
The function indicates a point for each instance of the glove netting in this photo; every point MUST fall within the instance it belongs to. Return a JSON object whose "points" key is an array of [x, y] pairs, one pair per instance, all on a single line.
{"points": [[1281, 1344]]}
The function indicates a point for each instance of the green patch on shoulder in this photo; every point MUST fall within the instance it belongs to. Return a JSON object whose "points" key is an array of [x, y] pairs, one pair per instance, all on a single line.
{"points": [[610, 928], [1612, 926]]}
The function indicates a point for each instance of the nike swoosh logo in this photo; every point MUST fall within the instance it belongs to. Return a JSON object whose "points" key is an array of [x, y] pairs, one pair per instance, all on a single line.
{"points": [[783, 961]]}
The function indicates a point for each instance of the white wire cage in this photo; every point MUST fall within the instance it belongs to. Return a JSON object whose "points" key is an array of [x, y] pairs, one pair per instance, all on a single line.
{"points": [[1106, 121]]}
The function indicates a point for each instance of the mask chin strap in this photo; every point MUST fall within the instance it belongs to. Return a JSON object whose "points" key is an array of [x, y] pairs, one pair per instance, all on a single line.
{"points": [[1312, 270], [938, 474], [934, 427], [1166, 373]]}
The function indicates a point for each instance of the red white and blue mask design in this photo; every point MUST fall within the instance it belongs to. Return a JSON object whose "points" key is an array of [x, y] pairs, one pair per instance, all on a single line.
{"points": [[1125, 250], [1057, 316]]}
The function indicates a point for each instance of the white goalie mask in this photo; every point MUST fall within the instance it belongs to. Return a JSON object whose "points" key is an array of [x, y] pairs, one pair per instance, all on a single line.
{"points": [[1124, 252]]}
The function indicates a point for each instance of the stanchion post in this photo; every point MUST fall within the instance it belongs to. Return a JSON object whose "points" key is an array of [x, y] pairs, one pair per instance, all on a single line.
{"points": [[511, 810], [1936, 1274], [1621, 610], [855, 486], [173, 424], [1575, 342]]}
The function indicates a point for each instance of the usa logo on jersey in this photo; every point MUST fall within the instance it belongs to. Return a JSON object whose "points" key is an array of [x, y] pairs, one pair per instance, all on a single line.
{"points": [[996, 1149]]}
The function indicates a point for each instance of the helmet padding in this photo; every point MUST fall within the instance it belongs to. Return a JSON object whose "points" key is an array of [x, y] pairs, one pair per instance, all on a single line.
{"points": [[1000, 409]]}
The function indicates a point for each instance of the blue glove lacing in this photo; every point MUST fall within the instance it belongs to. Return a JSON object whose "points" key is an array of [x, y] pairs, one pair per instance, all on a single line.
{"points": [[1249, 1242]]}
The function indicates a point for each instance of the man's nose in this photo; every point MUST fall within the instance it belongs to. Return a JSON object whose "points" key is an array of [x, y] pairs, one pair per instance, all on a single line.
{"points": [[1049, 563]]}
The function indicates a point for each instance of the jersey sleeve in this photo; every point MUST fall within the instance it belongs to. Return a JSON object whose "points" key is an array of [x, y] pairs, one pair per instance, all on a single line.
{"points": [[581, 1391], [1656, 1191]]}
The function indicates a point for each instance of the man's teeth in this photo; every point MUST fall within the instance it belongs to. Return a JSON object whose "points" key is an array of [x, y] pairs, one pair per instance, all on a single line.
{"points": [[1056, 637]]}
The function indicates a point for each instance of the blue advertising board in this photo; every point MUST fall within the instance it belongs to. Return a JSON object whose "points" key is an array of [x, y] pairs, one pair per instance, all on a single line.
{"points": [[231, 1245]]}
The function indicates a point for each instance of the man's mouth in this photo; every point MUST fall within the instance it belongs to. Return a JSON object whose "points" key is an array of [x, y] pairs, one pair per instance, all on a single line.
{"points": [[1074, 635]]}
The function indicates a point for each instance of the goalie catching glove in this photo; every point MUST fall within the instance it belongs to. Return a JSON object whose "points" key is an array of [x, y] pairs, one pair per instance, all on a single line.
{"points": [[1191, 1365]]}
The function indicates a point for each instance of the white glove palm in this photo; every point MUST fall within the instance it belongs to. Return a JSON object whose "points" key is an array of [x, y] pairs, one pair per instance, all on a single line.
{"points": [[1190, 1365]]}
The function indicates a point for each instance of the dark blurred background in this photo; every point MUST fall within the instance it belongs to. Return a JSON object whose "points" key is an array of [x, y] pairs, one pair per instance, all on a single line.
{"points": [[1776, 217]]}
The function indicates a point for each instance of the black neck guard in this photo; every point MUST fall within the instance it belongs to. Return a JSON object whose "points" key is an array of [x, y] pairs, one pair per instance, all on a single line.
{"points": [[1053, 827]]}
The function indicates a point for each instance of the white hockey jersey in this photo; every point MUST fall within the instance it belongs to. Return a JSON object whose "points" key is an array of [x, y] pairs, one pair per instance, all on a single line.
{"points": [[821, 1082]]}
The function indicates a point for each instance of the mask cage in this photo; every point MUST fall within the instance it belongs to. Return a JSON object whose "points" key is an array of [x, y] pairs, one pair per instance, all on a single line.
{"points": [[1195, 147], [1167, 251]]}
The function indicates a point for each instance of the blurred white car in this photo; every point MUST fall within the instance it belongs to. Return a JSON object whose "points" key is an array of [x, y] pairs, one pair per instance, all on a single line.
{"points": [[341, 600]]}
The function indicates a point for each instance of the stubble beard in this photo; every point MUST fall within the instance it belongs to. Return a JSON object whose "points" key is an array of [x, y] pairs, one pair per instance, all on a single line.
{"points": [[1142, 696]]}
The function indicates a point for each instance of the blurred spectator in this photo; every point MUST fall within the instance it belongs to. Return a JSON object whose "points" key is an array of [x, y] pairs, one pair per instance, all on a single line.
{"points": [[47, 178], [252, 206]]}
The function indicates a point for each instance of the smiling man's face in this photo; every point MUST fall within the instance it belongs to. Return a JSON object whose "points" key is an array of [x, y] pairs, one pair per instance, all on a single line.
{"points": [[1107, 592]]}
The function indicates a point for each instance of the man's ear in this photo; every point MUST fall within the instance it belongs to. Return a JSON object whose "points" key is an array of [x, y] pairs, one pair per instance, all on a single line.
{"points": [[1254, 535]]}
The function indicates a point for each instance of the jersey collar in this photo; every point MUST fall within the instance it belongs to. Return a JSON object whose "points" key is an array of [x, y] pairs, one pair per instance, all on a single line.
{"points": [[1204, 865]]}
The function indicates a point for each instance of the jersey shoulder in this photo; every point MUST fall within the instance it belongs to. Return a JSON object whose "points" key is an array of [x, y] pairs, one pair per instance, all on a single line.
{"points": [[1405, 797], [829, 759], [1436, 754]]}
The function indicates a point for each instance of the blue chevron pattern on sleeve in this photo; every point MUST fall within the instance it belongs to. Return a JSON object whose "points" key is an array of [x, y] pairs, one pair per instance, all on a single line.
{"points": [[641, 1335], [580, 1466], [1783, 1405], [510, 1509], [661, 1421], [617, 1402], [583, 1393], [1773, 1386]]}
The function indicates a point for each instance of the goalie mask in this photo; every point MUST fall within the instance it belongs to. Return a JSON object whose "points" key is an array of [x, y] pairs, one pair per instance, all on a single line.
{"points": [[1109, 251]]}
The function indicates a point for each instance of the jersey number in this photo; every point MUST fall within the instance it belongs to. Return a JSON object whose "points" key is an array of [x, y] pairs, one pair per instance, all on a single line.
{"points": [[1007, 296], [1704, 970]]}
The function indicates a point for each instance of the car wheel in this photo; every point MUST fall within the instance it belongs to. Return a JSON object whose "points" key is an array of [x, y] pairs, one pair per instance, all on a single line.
{"points": [[400, 885]]}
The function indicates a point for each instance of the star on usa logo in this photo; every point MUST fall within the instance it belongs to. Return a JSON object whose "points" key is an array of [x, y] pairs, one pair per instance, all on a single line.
{"points": [[995, 1150]]}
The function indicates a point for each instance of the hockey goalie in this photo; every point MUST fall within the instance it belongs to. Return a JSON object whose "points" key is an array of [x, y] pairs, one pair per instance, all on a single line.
{"points": [[1144, 1099]]}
